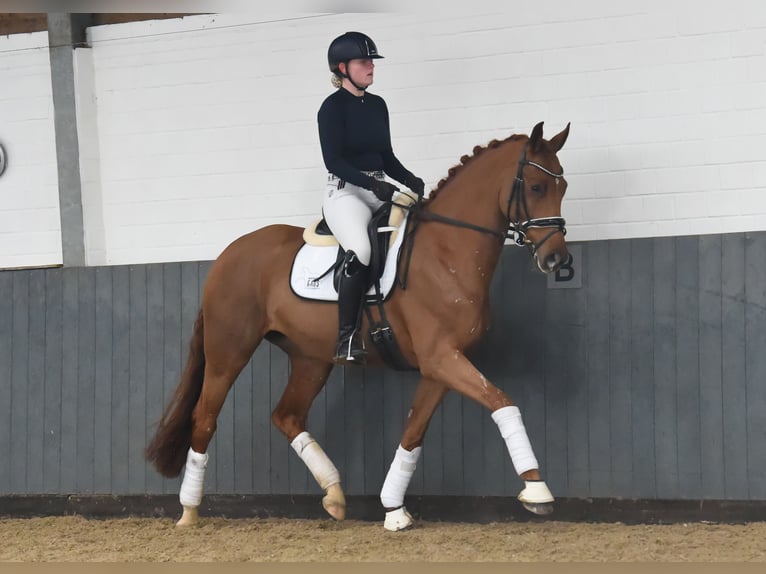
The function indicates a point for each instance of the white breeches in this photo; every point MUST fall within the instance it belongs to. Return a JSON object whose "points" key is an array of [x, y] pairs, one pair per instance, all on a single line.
{"points": [[348, 211]]}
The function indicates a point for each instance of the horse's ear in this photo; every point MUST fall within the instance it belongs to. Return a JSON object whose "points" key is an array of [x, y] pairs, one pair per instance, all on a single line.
{"points": [[536, 138], [558, 141]]}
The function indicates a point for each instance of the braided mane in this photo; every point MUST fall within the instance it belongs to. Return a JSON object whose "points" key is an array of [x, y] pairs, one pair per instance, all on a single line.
{"points": [[466, 159]]}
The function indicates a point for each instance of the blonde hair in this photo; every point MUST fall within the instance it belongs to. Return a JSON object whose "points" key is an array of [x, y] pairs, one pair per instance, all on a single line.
{"points": [[336, 80]]}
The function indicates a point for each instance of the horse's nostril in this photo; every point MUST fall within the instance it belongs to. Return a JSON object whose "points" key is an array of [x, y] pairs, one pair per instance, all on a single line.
{"points": [[552, 261]]}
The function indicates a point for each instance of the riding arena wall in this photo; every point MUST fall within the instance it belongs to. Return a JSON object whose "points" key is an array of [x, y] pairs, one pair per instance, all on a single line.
{"points": [[639, 372]]}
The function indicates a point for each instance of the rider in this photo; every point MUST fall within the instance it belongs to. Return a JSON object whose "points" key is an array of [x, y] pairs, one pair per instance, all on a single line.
{"points": [[356, 147]]}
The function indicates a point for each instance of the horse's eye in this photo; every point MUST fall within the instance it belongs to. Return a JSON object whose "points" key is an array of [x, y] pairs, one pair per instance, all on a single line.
{"points": [[537, 188]]}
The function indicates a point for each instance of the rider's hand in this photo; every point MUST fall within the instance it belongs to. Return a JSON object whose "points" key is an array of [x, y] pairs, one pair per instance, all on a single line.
{"points": [[416, 184], [383, 190]]}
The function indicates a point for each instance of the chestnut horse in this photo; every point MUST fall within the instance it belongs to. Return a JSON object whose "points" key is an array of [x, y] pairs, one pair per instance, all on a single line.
{"points": [[509, 189]]}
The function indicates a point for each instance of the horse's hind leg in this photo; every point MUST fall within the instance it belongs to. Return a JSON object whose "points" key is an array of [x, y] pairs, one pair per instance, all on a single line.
{"points": [[428, 396], [307, 377], [224, 361]]}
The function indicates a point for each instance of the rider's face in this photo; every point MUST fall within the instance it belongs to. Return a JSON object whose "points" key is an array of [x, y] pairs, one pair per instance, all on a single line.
{"points": [[361, 71]]}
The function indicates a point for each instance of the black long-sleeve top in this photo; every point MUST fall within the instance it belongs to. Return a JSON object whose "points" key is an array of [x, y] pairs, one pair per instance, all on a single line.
{"points": [[355, 136]]}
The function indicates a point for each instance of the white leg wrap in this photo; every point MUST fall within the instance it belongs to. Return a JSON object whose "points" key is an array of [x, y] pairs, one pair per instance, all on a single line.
{"points": [[194, 479], [399, 476], [512, 430], [316, 460]]}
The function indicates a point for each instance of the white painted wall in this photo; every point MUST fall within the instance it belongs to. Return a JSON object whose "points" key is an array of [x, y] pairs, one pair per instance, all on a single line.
{"points": [[30, 228], [205, 127]]}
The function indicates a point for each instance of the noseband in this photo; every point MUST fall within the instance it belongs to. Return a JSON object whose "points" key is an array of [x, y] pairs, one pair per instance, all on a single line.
{"points": [[517, 230]]}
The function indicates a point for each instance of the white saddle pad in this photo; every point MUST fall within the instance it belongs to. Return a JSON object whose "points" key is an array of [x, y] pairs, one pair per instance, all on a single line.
{"points": [[313, 260]]}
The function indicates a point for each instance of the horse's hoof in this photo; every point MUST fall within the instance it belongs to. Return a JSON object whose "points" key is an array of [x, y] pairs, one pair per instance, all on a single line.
{"points": [[398, 520], [335, 502], [190, 517], [337, 511], [539, 508]]}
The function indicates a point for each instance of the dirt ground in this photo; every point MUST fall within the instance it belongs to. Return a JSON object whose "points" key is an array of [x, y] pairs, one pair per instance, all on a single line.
{"points": [[77, 539]]}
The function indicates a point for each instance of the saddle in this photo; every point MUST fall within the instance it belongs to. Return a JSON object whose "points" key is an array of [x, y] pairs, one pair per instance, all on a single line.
{"points": [[384, 231]]}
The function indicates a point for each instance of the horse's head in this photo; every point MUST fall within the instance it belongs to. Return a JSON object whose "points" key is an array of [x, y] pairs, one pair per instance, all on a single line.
{"points": [[532, 204]]}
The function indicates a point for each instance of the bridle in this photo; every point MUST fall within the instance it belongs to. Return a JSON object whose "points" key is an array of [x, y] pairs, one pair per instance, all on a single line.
{"points": [[517, 230]]}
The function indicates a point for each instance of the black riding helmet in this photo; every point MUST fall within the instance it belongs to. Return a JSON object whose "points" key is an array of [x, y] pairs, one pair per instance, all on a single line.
{"points": [[350, 46]]}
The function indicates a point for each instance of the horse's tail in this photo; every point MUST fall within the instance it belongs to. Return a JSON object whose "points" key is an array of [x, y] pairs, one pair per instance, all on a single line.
{"points": [[170, 445]]}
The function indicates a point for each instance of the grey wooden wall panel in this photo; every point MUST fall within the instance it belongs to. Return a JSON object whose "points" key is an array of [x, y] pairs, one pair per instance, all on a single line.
{"points": [[621, 427], [664, 369], [646, 382], [86, 342], [36, 383], [687, 367], [596, 287], [102, 421], [710, 382], [69, 380], [120, 413], [452, 433], [6, 373], [353, 434], [372, 405], [734, 395], [755, 366], [578, 412], [18, 381], [137, 436], [641, 372], [392, 419], [54, 303]]}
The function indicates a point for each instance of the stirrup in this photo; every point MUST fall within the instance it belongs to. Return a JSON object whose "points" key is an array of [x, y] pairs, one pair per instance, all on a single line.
{"points": [[347, 353]]}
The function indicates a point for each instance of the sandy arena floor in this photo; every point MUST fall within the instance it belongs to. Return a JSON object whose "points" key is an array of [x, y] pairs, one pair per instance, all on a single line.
{"points": [[76, 539]]}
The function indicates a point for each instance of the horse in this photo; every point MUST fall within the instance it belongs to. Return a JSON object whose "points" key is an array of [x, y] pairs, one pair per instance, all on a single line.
{"points": [[509, 189]]}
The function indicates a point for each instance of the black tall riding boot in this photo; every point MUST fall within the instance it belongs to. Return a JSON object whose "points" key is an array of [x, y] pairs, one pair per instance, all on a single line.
{"points": [[353, 281]]}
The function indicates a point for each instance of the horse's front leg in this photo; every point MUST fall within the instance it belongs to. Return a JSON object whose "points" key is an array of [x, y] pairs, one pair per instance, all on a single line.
{"points": [[428, 395], [452, 368]]}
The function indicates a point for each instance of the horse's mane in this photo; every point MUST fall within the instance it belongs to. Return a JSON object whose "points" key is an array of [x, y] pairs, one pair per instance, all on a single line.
{"points": [[466, 159]]}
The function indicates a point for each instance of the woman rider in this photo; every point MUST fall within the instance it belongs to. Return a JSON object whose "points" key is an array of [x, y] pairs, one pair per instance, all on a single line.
{"points": [[356, 146]]}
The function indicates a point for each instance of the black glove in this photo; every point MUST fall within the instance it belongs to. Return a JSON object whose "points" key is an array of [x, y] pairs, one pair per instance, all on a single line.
{"points": [[383, 190], [416, 184]]}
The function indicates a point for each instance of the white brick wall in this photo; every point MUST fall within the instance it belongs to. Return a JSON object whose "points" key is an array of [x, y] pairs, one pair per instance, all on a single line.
{"points": [[30, 229], [205, 128]]}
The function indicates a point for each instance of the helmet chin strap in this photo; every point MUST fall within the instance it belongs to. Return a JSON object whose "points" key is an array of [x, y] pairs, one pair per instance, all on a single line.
{"points": [[348, 77]]}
